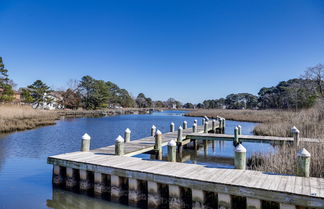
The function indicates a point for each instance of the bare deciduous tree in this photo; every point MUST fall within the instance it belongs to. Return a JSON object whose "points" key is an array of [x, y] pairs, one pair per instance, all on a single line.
{"points": [[316, 74]]}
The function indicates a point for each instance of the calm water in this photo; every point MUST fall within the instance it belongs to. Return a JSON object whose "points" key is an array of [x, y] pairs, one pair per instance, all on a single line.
{"points": [[25, 176]]}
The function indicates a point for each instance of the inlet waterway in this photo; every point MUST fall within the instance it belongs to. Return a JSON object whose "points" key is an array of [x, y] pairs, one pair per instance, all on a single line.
{"points": [[25, 176]]}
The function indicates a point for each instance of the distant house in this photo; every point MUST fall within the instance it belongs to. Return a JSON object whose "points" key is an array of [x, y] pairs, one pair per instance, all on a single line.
{"points": [[53, 101], [174, 106]]}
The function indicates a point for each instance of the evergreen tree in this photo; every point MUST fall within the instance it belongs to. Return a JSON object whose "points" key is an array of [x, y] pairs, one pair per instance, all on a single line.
{"points": [[39, 91], [6, 91]]}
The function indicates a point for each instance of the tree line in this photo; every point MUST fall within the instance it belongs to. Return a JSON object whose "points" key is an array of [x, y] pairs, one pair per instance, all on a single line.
{"points": [[90, 93]]}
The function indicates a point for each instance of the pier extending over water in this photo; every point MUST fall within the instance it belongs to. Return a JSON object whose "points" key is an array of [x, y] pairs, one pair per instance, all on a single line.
{"points": [[111, 172]]}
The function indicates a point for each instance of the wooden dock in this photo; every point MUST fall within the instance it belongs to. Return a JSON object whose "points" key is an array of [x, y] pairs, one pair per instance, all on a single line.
{"points": [[160, 184]]}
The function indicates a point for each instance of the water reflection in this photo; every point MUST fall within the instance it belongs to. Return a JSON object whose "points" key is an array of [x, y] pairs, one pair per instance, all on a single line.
{"points": [[62, 199]]}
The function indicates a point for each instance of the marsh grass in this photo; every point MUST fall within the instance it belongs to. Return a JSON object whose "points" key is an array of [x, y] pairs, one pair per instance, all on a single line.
{"points": [[21, 117]]}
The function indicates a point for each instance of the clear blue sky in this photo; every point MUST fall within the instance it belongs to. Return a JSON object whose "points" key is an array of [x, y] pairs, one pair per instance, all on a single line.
{"points": [[189, 50]]}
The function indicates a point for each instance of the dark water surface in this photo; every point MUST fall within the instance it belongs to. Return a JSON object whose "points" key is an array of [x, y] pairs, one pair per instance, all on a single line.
{"points": [[25, 176]]}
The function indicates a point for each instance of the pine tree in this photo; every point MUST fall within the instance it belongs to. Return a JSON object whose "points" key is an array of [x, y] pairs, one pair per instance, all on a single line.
{"points": [[6, 92]]}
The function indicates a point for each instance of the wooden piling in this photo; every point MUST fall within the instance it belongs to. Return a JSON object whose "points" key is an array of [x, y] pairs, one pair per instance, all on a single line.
{"points": [[158, 144], [239, 130], [174, 197], [295, 133], [134, 192], [71, 178], [154, 198], [127, 135], [252, 203], [172, 151], [185, 124], [85, 183], [153, 130], [85, 146], [303, 163], [194, 128], [213, 125], [240, 157], [172, 127], [203, 120], [58, 175], [100, 184], [196, 122], [116, 188], [236, 138], [206, 127], [119, 146], [287, 206], [198, 199], [224, 201]]}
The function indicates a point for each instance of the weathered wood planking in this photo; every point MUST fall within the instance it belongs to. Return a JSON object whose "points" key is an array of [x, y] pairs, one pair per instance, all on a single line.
{"points": [[294, 190], [246, 138]]}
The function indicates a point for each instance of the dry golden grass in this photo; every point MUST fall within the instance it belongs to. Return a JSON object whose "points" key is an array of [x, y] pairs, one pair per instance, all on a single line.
{"points": [[20, 117]]}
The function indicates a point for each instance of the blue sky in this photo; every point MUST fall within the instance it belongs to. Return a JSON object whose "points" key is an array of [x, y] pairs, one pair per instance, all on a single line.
{"points": [[189, 50]]}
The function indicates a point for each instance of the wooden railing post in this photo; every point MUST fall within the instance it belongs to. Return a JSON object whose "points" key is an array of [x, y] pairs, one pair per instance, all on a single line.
{"points": [[85, 146], [127, 135], [303, 163]]}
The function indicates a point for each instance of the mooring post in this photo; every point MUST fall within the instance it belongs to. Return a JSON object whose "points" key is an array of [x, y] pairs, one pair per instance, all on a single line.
{"points": [[196, 122], [206, 118], [172, 127], [174, 197], [134, 192], [172, 151], [203, 120], [85, 146], [158, 144], [206, 127], [303, 163], [198, 199], [295, 133], [224, 125], [236, 138], [127, 135], [119, 146], [194, 128], [154, 198], [239, 130], [214, 125], [185, 124], [153, 130], [240, 157], [180, 137], [253, 203]]}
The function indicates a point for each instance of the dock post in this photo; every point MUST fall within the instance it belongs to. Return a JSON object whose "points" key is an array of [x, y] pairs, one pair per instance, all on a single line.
{"points": [[295, 133], [127, 135], [154, 198], [71, 178], [85, 146], [198, 199], [203, 120], [224, 201], [236, 138], [134, 192], [185, 124], [158, 144], [303, 163], [153, 130], [253, 203], [174, 197], [240, 157], [224, 125], [239, 130], [180, 137], [172, 127], [194, 128], [214, 125], [85, 181], [116, 188], [119, 146], [195, 122], [172, 146], [206, 118], [58, 176], [206, 127], [100, 184]]}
